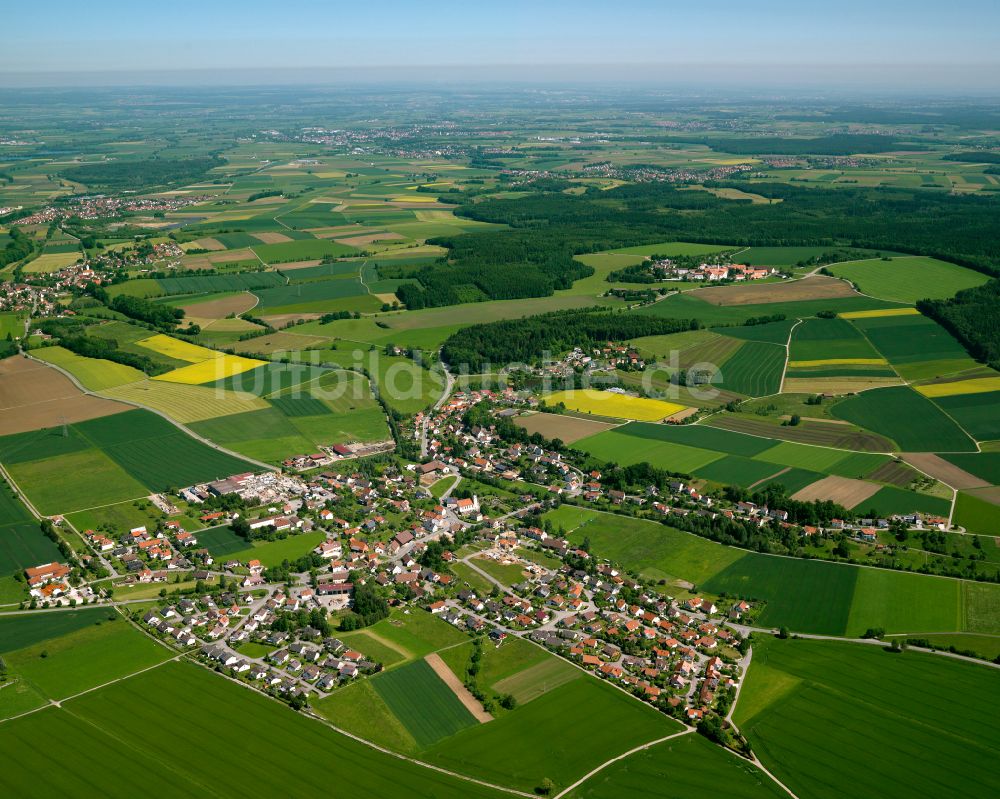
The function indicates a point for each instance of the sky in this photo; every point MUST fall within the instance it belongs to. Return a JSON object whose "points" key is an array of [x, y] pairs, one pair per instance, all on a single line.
{"points": [[847, 42]]}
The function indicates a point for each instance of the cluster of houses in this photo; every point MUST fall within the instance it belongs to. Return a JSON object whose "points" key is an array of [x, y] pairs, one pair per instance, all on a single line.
{"points": [[103, 207], [666, 269], [283, 662], [677, 654]]}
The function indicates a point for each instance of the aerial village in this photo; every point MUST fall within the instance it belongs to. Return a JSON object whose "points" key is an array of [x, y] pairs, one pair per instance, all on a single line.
{"points": [[390, 538]]}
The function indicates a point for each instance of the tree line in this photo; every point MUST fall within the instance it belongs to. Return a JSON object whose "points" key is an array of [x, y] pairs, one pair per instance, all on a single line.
{"points": [[526, 340]]}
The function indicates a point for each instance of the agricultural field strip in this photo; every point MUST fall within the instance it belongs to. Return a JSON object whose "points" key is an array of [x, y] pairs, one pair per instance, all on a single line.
{"points": [[629, 753], [183, 428], [58, 702], [917, 388]]}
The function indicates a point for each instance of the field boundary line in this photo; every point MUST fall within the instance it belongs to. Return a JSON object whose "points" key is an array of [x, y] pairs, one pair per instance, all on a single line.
{"points": [[310, 714], [163, 415], [622, 756], [58, 702], [788, 355]]}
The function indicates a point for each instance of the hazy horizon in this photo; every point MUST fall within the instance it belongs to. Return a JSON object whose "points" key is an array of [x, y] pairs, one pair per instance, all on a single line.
{"points": [[915, 45]]}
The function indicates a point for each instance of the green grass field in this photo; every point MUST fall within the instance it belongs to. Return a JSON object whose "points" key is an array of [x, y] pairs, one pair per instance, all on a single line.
{"points": [[880, 718], [890, 411], [109, 460], [422, 702], [157, 453], [553, 736], [804, 595], [74, 482], [358, 709], [272, 553], [977, 515], [180, 700], [754, 370], [808, 596], [978, 414], [221, 541], [688, 767], [827, 339], [915, 345], [94, 374], [654, 550], [985, 465], [77, 661], [20, 632], [908, 279], [21, 541]]}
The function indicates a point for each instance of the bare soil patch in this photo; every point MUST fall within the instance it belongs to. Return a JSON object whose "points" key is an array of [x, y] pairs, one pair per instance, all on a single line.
{"points": [[207, 244], [282, 319], [817, 287], [681, 415], [566, 428], [940, 469], [448, 677], [893, 473], [842, 490], [370, 238], [34, 396], [244, 254], [836, 385], [991, 494], [222, 307], [271, 238], [340, 230]]}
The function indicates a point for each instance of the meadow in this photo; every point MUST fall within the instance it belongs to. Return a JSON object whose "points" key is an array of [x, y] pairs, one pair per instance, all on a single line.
{"points": [[868, 701], [553, 736], [917, 347], [21, 541], [908, 278], [118, 762], [809, 596], [682, 768], [890, 412], [110, 460], [978, 413], [81, 659], [272, 553]]}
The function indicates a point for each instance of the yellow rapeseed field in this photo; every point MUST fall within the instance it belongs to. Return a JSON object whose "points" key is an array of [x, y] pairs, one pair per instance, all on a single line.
{"points": [[838, 362], [974, 385], [210, 370], [618, 406], [879, 313], [175, 348]]}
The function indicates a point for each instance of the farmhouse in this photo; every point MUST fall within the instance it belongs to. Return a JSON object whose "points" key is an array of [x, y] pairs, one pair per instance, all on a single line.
{"points": [[46, 573]]}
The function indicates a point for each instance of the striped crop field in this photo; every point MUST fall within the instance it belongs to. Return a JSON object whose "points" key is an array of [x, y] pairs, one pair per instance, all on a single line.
{"points": [[838, 362], [975, 385], [880, 312]]}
